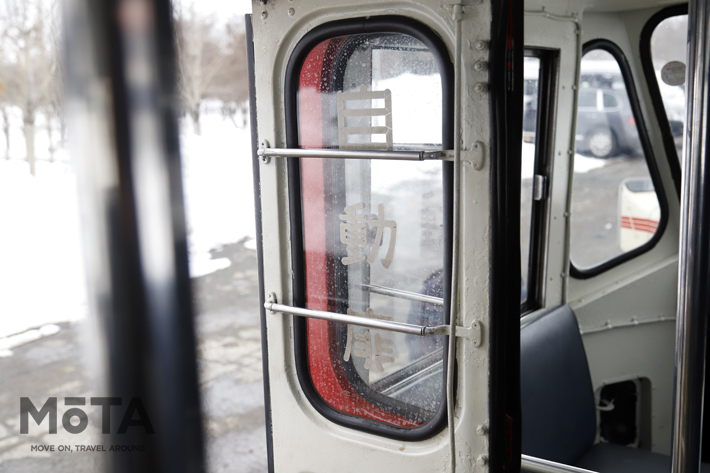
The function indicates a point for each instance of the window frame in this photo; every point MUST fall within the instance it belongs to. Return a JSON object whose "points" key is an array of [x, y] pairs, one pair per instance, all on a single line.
{"points": [[654, 89], [618, 54], [544, 142], [372, 25]]}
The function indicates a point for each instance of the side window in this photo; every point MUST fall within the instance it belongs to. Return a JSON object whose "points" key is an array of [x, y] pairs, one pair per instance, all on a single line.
{"points": [[539, 68], [668, 54], [615, 206], [375, 232], [527, 169]]}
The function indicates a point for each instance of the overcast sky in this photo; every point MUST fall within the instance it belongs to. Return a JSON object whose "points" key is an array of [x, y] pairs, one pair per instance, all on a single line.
{"points": [[224, 8]]}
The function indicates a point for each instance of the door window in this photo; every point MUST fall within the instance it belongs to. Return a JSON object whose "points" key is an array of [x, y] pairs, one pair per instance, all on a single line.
{"points": [[375, 232]]}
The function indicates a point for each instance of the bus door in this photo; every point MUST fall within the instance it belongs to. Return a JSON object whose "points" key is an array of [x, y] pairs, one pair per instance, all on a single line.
{"points": [[387, 193]]}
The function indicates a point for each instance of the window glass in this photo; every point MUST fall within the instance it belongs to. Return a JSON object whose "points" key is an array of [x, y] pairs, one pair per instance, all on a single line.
{"points": [[614, 205], [374, 230], [588, 99], [668, 52], [527, 170], [610, 101]]}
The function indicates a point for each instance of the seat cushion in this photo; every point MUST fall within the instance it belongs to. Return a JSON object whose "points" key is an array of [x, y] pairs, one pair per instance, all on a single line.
{"points": [[559, 417], [612, 458]]}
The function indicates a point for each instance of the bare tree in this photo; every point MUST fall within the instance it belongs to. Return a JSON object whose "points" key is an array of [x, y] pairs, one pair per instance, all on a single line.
{"points": [[24, 41], [54, 94], [5, 128], [4, 105], [231, 84], [5, 102], [200, 57]]}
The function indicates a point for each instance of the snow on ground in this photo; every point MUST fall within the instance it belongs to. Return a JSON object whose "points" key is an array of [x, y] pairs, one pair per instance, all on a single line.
{"points": [[41, 269], [41, 272], [527, 167], [582, 164], [218, 187]]}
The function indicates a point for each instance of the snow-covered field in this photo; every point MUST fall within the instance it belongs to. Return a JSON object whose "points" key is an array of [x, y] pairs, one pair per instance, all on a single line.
{"points": [[219, 190], [41, 269]]}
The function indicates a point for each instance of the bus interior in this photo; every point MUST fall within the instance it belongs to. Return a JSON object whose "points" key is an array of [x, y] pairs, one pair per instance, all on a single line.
{"points": [[603, 111]]}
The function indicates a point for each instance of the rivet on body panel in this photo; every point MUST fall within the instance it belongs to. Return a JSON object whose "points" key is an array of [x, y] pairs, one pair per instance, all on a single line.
{"points": [[482, 429]]}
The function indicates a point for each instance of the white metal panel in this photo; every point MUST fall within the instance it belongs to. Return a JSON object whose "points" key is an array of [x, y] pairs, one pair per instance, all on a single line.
{"points": [[297, 427], [626, 314], [544, 30]]}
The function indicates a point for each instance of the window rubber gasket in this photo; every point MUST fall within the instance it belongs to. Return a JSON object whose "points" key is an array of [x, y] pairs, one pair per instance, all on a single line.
{"points": [[371, 25], [655, 91], [259, 242], [620, 58]]}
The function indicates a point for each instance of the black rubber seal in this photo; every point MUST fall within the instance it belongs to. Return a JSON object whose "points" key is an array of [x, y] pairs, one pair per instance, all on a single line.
{"points": [[655, 91], [376, 24], [506, 84], [618, 54], [259, 242]]}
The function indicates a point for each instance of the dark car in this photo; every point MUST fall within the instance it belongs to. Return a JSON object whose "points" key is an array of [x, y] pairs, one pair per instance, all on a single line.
{"points": [[605, 122]]}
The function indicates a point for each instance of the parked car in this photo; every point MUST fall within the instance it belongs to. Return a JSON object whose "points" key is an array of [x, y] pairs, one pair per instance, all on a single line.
{"points": [[605, 122], [531, 76]]}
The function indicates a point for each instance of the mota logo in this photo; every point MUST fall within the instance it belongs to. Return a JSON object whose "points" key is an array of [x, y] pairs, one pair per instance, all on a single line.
{"points": [[135, 415]]}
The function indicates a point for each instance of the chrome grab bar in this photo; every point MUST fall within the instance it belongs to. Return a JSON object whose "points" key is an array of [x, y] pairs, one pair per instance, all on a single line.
{"points": [[694, 254], [539, 465], [354, 154], [398, 293], [401, 327]]}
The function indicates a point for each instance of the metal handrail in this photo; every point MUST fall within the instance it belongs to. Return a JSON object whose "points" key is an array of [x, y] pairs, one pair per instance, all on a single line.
{"points": [[694, 253], [540, 465], [398, 293], [354, 154], [400, 327]]}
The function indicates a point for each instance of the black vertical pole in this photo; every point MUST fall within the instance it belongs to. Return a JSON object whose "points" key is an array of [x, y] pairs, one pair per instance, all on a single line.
{"points": [[506, 107], [694, 258], [121, 100]]}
